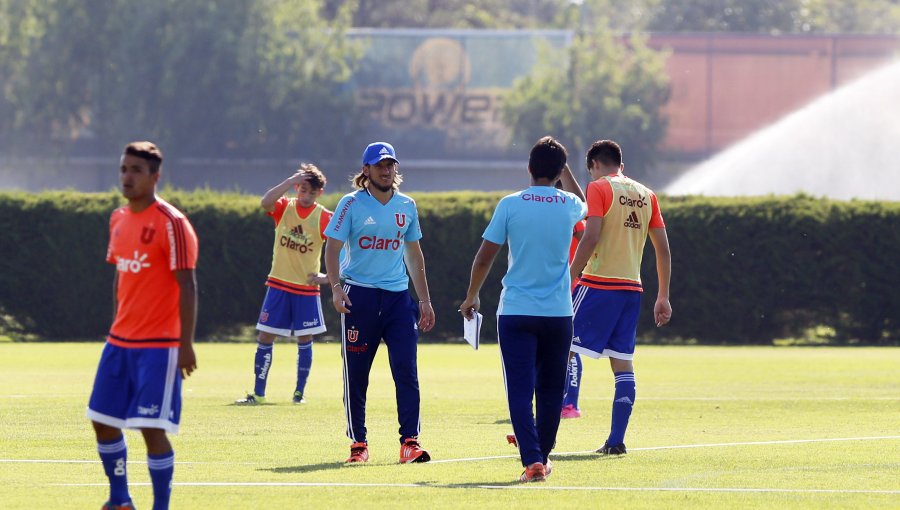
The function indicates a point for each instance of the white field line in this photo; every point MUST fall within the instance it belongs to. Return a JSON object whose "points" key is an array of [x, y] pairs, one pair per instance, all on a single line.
{"points": [[708, 445], [500, 487], [472, 459], [605, 398]]}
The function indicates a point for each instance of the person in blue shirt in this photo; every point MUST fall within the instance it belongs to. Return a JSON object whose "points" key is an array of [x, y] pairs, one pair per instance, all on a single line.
{"points": [[534, 317], [377, 227]]}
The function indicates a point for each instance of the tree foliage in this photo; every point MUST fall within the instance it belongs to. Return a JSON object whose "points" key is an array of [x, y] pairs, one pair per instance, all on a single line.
{"points": [[773, 16], [755, 16], [454, 13], [198, 76], [601, 87]]}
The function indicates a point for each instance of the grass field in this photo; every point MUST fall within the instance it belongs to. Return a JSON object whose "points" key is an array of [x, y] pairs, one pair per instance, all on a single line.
{"points": [[714, 427]]}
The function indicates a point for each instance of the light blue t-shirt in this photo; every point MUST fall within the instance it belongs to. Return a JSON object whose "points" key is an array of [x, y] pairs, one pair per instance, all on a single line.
{"points": [[538, 224], [374, 237]]}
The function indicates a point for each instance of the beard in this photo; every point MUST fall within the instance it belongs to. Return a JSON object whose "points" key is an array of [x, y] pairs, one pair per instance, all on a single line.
{"points": [[379, 187]]}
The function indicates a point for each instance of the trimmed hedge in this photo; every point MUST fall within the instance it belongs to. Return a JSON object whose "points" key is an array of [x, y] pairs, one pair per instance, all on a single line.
{"points": [[745, 270]]}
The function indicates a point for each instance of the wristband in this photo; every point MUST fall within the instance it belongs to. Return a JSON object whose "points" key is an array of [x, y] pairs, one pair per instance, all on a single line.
{"points": [[338, 284], [424, 301]]}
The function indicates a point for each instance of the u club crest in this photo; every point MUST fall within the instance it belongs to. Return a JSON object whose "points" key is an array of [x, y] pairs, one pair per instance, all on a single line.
{"points": [[401, 219], [147, 235], [352, 335]]}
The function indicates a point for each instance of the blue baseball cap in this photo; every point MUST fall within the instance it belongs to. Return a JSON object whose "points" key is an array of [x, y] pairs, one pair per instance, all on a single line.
{"points": [[377, 151]]}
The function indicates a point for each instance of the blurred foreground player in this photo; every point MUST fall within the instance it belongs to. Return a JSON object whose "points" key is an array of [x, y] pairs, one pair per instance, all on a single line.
{"points": [[150, 344]]}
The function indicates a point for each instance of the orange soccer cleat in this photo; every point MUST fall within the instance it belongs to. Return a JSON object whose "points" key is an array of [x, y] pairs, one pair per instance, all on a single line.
{"points": [[359, 452], [534, 473], [411, 451]]}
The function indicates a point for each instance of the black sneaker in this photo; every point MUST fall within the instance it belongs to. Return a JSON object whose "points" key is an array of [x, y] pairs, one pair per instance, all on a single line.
{"points": [[251, 399], [606, 449], [298, 398]]}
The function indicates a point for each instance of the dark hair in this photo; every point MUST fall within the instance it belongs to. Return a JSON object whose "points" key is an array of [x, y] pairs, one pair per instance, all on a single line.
{"points": [[147, 151], [547, 159], [360, 180], [607, 152], [316, 178]]}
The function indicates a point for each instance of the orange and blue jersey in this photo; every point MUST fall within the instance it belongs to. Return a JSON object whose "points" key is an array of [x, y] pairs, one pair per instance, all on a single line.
{"points": [[297, 250], [629, 209], [147, 248]]}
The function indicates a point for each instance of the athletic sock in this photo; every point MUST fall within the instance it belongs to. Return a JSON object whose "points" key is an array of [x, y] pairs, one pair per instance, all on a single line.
{"points": [[261, 369], [573, 381], [161, 467], [304, 363], [114, 455], [623, 402]]}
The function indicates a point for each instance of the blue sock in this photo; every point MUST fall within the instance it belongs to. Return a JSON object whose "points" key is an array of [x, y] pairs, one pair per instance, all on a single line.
{"points": [[623, 402], [261, 369], [573, 381], [114, 455], [161, 467], [304, 363]]}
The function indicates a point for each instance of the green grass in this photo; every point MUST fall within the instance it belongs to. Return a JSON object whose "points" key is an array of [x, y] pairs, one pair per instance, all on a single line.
{"points": [[686, 396]]}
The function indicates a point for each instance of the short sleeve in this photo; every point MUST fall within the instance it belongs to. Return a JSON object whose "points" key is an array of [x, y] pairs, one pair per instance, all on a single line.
{"points": [[579, 227], [324, 218], [280, 206], [496, 231], [599, 198], [342, 219], [109, 246], [656, 219], [414, 232], [579, 208], [182, 244]]}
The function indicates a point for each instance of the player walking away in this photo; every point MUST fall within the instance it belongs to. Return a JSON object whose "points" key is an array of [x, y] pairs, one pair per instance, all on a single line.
{"points": [[149, 348], [608, 295], [534, 318], [378, 229], [292, 306]]}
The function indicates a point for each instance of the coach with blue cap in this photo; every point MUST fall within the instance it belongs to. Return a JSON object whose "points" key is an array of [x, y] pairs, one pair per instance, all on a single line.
{"points": [[376, 225]]}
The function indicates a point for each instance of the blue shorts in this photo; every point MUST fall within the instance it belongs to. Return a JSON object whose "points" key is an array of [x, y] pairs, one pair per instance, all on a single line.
{"points": [[137, 389], [605, 324], [287, 314]]}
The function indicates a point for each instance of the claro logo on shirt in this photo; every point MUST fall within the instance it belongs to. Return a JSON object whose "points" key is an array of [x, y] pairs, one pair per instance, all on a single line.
{"points": [[380, 243], [133, 265]]}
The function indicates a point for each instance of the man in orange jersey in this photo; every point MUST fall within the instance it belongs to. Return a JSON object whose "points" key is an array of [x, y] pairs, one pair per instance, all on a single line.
{"points": [[608, 295], [292, 307], [149, 348]]}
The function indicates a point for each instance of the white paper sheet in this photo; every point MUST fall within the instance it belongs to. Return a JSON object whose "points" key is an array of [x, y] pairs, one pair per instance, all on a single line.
{"points": [[472, 330]]}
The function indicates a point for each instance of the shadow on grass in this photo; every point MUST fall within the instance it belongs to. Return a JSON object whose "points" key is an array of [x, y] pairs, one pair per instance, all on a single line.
{"points": [[327, 466], [586, 457], [310, 468]]}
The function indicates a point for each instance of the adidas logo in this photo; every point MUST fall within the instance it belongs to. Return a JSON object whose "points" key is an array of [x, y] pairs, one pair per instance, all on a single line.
{"points": [[297, 231], [624, 400], [384, 150], [633, 221], [369, 221]]}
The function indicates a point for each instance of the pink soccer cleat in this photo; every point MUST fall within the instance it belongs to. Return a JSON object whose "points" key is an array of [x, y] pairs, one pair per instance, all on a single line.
{"points": [[570, 411]]}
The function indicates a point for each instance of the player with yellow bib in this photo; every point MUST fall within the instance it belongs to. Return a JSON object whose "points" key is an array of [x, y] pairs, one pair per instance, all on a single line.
{"points": [[622, 213], [292, 307]]}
